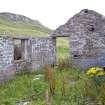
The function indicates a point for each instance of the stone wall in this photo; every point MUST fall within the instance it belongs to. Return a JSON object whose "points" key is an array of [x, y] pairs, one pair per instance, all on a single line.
{"points": [[7, 73], [88, 52], [6, 51], [22, 66], [86, 31], [43, 52], [36, 53], [7, 69]]}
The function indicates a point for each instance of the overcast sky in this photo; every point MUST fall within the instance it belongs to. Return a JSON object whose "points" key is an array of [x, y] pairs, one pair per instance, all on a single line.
{"points": [[51, 13]]}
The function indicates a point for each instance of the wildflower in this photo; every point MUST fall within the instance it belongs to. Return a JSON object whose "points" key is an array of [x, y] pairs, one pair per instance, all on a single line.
{"points": [[97, 75], [96, 71], [101, 73]]}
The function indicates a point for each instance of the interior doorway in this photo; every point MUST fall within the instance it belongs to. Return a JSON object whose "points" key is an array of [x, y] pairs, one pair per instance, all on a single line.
{"points": [[17, 50]]}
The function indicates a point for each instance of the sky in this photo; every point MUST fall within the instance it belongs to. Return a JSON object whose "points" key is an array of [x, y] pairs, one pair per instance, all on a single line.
{"points": [[51, 13]]}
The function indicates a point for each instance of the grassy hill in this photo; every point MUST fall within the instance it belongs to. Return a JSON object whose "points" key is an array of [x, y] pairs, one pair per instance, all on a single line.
{"points": [[15, 24]]}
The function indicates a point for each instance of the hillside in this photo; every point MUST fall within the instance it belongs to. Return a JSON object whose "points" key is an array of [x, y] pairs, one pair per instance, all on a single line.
{"points": [[15, 24]]}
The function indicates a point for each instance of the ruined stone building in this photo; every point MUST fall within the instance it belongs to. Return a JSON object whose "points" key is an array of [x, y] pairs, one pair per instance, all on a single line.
{"points": [[86, 32]]}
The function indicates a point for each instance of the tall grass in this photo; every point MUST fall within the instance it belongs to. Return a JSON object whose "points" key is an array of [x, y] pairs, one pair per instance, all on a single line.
{"points": [[61, 85]]}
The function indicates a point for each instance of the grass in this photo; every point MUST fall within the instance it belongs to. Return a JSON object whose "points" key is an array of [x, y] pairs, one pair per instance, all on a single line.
{"points": [[62, 53], [62, 48], [25, 86], [58, 86], [12, 28]]}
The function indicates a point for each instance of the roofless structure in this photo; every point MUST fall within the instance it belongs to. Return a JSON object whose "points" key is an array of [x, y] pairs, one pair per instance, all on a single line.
{"points": [[85, 31]]}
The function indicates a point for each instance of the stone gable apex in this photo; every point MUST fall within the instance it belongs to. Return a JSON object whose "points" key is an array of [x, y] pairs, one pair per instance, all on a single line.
{"points": [[84, 22]]}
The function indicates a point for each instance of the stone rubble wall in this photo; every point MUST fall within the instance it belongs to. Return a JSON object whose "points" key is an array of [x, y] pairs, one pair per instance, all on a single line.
{"points": [[43, 52], [6, 51], [7, 69], [7, 73], [36, 53], [88, 52], [86, 31], [22, 66]]}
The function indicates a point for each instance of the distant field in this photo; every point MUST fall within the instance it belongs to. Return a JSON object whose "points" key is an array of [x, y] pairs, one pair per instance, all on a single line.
{"points": [[62, 48]]}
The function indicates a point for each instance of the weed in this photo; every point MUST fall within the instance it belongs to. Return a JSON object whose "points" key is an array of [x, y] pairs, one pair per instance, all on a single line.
{"points": [[51, 79]]}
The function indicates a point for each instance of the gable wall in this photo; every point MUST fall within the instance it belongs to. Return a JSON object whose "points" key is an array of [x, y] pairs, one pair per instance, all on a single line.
{"points": [[88, 51]]}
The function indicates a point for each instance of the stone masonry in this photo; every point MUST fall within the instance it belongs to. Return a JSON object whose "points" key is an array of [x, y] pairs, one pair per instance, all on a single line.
{"points": [[7, 69], [86, 31], [35, 53], [43, 52]]}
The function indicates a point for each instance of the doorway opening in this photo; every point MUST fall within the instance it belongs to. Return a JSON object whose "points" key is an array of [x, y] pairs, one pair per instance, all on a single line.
{"points": [[62, 49]]}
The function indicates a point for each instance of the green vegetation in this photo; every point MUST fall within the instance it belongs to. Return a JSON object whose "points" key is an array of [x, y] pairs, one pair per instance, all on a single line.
{"points": [[96, 71], [59, 86], [25, 86], [62, 53], [62, 48], [15, 28]]}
